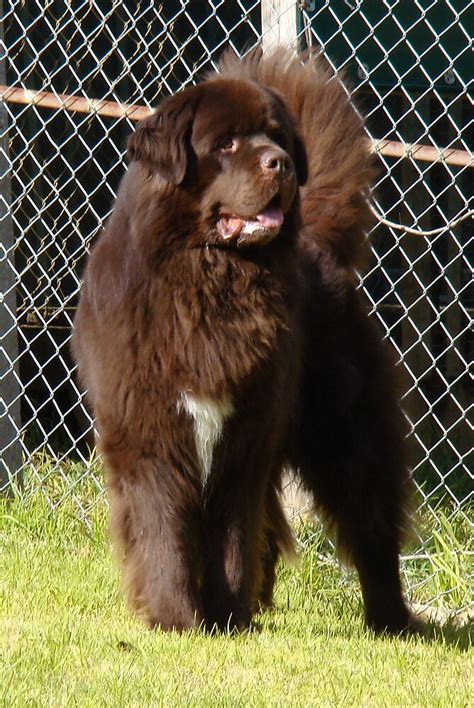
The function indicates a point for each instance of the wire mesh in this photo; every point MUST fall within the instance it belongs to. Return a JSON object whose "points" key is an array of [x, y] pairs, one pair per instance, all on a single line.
{"points": [[408, 65]]}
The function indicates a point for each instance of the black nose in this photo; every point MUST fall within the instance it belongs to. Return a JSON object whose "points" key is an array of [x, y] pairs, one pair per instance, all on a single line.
{"points": [[275, 162]]}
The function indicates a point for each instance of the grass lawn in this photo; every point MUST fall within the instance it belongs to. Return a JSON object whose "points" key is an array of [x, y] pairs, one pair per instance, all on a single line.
{"points": [[66, 639]]}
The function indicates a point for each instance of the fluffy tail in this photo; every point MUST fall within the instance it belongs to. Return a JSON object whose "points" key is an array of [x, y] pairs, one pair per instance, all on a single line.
{"points": [[340, 169]]}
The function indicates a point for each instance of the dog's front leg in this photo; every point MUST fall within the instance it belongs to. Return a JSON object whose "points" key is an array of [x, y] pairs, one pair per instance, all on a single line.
{"points": [[155, 523], [234, 514]]}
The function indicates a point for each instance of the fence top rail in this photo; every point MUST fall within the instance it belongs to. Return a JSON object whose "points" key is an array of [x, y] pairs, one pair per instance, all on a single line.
{"points": [[112, 109]]}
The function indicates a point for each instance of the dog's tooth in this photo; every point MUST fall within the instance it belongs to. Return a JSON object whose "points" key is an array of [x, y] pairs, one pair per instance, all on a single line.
{"points": [[234, 226]]}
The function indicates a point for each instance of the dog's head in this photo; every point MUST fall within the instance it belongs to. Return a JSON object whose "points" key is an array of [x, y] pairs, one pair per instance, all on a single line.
{"points": [[231, 149]]}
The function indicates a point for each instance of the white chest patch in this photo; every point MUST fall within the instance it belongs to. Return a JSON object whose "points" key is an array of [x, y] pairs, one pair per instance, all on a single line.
{"points": [[208, 415]]}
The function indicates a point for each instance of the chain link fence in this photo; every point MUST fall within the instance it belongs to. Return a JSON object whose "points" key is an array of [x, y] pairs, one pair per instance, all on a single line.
{"points": [[409, 67]]}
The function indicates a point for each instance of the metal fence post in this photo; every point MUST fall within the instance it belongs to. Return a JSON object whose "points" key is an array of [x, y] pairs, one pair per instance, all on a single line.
{"points": [[10, 448]]}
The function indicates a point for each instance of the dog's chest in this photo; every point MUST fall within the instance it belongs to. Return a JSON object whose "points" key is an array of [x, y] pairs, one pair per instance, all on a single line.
{"points": [[208, 416]]}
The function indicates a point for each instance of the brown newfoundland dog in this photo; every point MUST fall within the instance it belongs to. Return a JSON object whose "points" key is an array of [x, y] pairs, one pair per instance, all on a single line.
{"points": [[221, 339]]}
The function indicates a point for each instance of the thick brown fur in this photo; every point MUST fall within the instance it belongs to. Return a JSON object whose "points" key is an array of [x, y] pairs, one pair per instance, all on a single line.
{"points": [[221, 338]]}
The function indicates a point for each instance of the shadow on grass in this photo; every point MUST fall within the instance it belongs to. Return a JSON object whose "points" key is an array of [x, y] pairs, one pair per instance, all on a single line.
{"points": [[450, 634]]}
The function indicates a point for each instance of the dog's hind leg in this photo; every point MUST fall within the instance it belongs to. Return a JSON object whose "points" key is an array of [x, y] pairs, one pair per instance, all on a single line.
{"points": [[352, 458], [361, 494]]}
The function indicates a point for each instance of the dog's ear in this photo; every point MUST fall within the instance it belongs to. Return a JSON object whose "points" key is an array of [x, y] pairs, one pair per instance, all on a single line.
{"points": [[162, 141], [301, 159]]}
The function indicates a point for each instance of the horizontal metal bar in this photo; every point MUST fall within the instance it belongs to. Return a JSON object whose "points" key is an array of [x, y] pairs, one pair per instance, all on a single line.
{"points": [[111, 109]]}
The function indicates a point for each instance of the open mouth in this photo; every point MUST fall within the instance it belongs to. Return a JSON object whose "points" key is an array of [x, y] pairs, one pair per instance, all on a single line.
{"points": [[259, 229]]}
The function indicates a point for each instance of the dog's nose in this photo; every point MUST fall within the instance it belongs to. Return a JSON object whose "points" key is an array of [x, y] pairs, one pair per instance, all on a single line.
{"points": [[275, 162]]}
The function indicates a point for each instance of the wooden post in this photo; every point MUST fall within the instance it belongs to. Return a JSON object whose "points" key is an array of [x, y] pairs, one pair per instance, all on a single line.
{"points": [[10, 448], [279, 23], [280, 28]]}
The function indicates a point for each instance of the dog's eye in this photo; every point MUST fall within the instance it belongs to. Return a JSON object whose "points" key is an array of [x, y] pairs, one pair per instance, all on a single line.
{"points": [[227, 144]]}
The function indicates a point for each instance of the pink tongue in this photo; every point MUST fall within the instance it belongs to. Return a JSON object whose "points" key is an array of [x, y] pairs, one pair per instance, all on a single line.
{"points": [[271, 217]]}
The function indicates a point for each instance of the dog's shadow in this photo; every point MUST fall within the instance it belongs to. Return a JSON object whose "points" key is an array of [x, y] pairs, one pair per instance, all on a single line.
{"points": [[455, 631], [451, 633]]}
